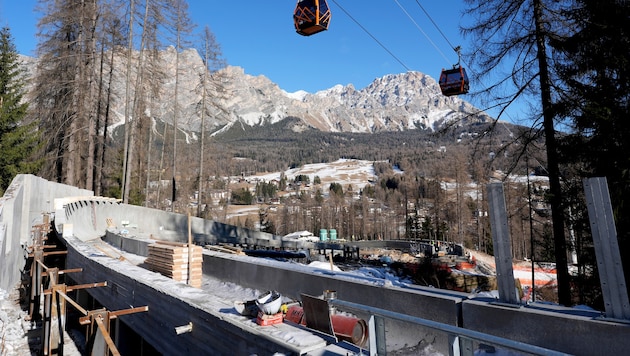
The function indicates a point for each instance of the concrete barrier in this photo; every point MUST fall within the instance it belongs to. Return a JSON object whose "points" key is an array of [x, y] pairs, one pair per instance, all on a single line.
{"points": [[564, 329], [569, 330], [217, 329], [92, 216], [292, 280], [24, 202]]}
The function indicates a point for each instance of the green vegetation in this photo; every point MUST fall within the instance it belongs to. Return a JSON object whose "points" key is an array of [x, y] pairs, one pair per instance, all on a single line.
{"points": [[18, 137], [242, 196]]}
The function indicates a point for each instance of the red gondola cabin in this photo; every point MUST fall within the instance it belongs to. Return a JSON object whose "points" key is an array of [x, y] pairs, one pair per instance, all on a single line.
{"points": [[454, 81], [311, 17]]}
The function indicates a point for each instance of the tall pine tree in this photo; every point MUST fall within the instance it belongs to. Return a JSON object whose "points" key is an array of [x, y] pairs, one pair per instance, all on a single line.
{"points": [[595, 68], [18, 139], [518, 32]]}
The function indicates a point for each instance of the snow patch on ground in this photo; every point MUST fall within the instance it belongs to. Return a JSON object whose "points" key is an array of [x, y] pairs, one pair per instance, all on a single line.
{"points": [[357, 173], [13, 338]]}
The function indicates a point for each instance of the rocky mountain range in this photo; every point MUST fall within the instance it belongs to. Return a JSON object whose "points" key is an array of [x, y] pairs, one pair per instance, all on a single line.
{"points": [[395, 102]]}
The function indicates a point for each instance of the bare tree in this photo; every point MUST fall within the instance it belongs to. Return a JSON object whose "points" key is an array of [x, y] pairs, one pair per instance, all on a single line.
{"points": [[211, 83], [517, 32], [110, 43], [141, 88], [125, 183], [65, 88], [182, 26]]}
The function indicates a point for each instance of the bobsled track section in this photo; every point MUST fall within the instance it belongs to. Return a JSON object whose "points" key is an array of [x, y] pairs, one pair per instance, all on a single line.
{"points": [[84, 263]]}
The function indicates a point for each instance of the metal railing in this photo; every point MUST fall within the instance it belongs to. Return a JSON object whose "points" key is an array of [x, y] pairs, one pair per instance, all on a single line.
{"points": [[460, 339]]}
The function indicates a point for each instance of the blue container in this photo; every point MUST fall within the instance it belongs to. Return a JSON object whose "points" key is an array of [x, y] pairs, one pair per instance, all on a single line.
{"points": [[333, 234], [323, 234]]}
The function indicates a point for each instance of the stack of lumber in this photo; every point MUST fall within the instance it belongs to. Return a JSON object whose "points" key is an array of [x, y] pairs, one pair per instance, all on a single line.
{"points": [[171, 260], [226, 249]]}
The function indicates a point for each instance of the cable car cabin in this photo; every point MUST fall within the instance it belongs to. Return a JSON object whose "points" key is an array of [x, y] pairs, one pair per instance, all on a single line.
{"points": [[454, 81], [311, 17]]}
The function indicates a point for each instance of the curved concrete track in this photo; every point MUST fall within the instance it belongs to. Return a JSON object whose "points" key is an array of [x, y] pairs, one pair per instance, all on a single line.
{"points": [[85, 220]]}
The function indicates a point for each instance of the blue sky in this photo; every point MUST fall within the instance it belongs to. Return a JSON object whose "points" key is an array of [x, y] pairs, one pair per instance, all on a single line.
{"points": [[262, 40], [259, 37]]}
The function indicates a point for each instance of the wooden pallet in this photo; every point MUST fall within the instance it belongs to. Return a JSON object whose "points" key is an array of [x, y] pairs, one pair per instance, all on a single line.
{"points": [[171, 260]]}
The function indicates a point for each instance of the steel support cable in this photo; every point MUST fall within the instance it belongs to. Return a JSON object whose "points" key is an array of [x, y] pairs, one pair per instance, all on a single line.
{"points": [[435, 24], [372, 36], [422, 31], [453, 47], [386, 49]]}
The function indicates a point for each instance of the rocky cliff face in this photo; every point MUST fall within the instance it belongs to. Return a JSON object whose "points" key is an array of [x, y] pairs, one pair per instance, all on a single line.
{"points": [[396, 102]]}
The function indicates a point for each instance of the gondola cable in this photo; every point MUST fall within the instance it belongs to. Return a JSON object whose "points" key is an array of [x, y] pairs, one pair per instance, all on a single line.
{"points": [[450, 84], [372, 36], [436, 26], [424, 33], [452, 81], [455, 48]]}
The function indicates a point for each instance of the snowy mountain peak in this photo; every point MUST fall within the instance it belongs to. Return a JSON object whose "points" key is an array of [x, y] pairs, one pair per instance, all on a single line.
{"points": [[394, 102], [298, 95]]}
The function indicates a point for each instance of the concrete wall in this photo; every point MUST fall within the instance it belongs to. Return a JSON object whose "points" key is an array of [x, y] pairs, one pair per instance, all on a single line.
{"points": [[263, 274], [217, 329], [22, 206], [569, 330], [428, 303], [563, 329], [11, 253], [158, 224]]}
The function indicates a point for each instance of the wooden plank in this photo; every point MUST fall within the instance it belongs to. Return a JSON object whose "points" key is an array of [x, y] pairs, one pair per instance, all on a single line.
{"points": [[172, 265], [173, 260], [151, 260], [177, 250], [176, 259], [163, 251], [167, 247], [225, 250], [173, 246], [171, 243], [174, 255], [172, 269]]}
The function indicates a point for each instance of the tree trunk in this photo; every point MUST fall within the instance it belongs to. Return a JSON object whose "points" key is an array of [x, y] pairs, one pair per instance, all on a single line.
{"points": [[564, 292]]}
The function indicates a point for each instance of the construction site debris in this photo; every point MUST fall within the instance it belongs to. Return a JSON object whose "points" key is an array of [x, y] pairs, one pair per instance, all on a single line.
{"points": [[246, 308], [267, 319], [269, 302]]}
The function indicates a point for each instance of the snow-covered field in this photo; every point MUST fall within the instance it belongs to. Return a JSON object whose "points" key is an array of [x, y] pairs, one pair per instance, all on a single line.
{"points": [[357, 173]]}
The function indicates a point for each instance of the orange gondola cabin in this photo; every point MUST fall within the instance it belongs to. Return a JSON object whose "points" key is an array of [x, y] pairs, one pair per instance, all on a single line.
{"points": [[311, 17], [454, 81]]}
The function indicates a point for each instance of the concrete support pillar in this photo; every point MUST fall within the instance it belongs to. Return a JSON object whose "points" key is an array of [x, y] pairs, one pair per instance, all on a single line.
{"points": [[606, 248], [502, 244]]}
